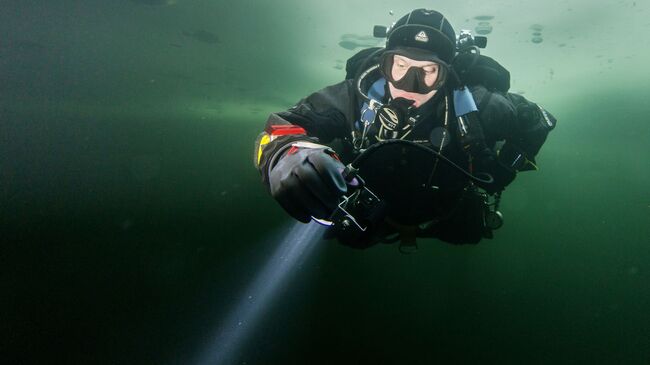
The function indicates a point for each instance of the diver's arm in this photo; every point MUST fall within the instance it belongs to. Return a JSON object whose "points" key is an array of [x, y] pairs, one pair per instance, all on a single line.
{"points": [[319, 118], [498, 121], [304, 176], [534, 123], [514, 130]]}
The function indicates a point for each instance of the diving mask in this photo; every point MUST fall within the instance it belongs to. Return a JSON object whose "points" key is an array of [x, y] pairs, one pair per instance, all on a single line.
{"points": [[407, 77]]}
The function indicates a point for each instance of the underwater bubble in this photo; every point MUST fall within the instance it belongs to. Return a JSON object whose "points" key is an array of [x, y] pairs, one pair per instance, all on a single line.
{"points": [[155, 2], [484, 17], [352, 41], [202, 35], [483, 28], [537, 27], [537, 40], [348, 45]]}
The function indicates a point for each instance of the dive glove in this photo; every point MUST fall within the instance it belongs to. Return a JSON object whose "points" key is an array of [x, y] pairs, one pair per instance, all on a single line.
{"points": [[502, 175], [307, 181]]}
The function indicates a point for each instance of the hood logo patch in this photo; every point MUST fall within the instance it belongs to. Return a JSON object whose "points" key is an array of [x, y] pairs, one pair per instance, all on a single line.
{"points": [[421, 37]]}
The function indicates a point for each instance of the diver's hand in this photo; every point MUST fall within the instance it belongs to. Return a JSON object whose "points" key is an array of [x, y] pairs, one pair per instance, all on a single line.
{"points": [[307, 181], [502, 175]]}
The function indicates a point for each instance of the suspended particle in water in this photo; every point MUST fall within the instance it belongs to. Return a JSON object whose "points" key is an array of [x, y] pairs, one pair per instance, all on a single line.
{"points": [[537, 27], [537, 40], [537, 34], [561, 45], [484, 17], [390, 12], [483, 28]]}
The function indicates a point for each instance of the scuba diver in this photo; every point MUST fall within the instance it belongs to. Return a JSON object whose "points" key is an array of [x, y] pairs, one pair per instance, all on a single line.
{"points": [[419, 140]]}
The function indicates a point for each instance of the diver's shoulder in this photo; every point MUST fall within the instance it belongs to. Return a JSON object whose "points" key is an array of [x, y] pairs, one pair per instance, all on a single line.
{"points": [[491, 99]]}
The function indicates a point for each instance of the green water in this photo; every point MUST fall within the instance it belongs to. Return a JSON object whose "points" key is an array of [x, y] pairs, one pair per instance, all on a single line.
{"points": [[131, 218]]}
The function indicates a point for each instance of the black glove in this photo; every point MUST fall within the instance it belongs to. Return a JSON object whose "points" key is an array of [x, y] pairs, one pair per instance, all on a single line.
{"points": [[501, 174], [307, 181]]}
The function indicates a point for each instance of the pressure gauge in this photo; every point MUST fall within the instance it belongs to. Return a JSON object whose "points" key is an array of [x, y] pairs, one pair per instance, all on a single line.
{"points": [[494, 220]]}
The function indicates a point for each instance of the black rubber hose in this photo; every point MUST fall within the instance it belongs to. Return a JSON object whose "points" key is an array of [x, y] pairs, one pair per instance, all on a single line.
{"points": [[364, 155]]}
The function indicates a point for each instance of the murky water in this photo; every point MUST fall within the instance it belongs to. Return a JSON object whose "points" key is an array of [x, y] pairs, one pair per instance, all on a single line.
{"points": [[132, 220]]}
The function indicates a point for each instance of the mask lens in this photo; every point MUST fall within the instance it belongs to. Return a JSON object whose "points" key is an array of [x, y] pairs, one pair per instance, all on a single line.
{"points": [[420, 80], [399, 69], [411, 78]]}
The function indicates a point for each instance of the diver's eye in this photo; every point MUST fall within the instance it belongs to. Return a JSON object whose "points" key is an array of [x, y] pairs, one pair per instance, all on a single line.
{"points": [[430, 70]]}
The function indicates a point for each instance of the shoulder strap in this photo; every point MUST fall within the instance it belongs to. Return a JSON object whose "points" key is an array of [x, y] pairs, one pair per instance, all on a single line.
{"points": [[375, 93]]}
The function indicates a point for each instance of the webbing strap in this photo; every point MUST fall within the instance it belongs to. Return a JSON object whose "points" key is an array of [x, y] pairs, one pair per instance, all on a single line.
{"points": [[464, 102], [376, 93]]}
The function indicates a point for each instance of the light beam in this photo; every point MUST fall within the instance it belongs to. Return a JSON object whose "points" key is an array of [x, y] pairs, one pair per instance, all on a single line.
{"points": [[297, 244]]}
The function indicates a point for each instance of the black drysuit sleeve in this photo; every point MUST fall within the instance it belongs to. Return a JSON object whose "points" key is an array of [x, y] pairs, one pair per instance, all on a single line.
{"points": [[325, 115], [514, 129]]}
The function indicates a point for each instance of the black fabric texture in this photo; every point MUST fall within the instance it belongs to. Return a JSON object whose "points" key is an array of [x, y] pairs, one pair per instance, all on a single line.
{"points": [[440, 37], [474, 69], [307, 182]]}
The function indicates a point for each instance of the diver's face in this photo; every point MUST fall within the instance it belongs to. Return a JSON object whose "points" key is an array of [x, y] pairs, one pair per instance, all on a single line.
{"points": [[401, 66]]}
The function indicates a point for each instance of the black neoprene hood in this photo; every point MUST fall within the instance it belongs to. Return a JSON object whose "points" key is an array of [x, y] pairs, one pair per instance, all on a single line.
{"points": [[423, 29]]}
